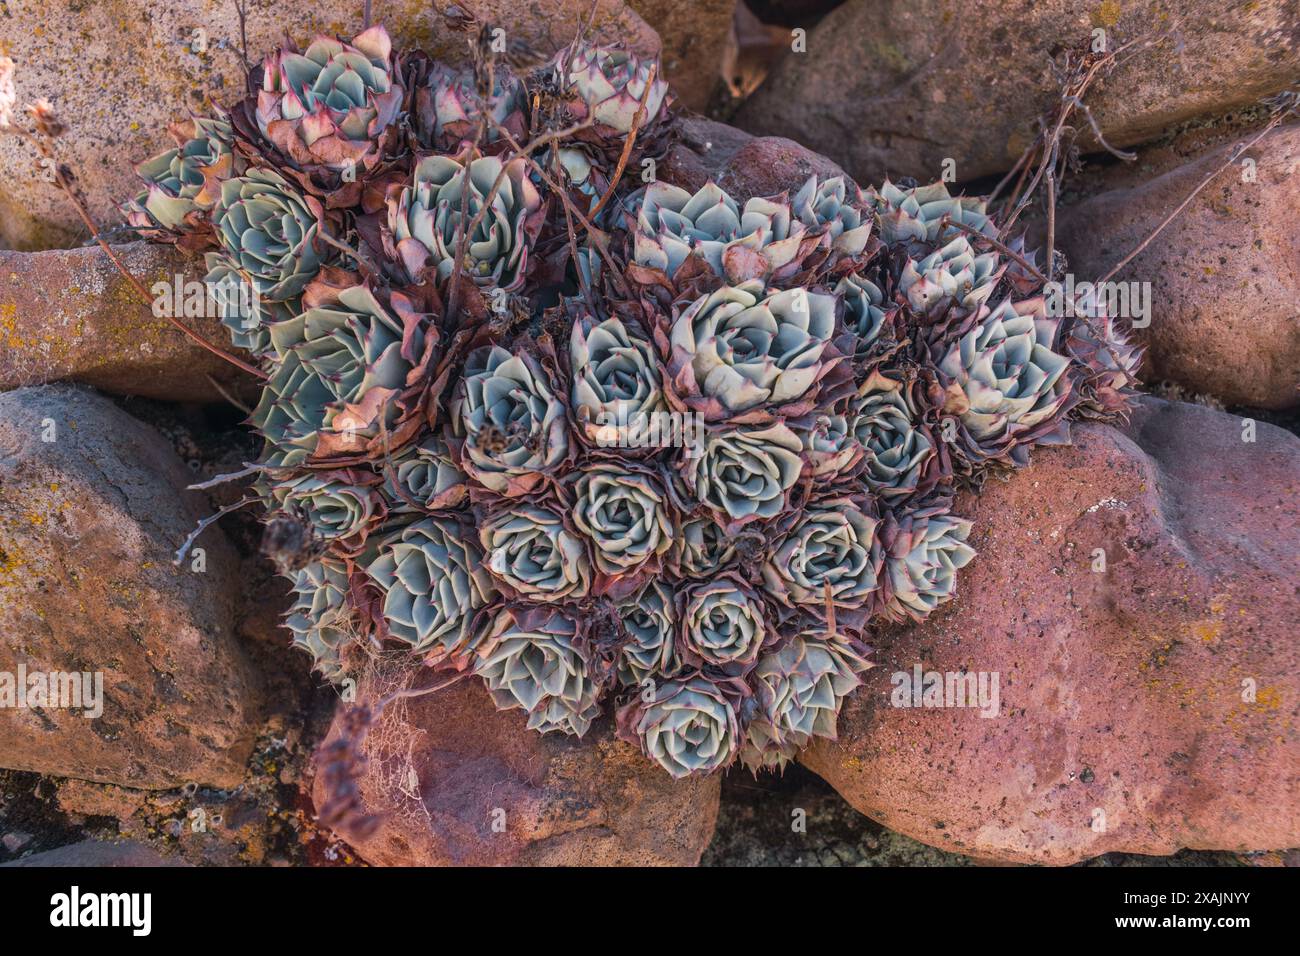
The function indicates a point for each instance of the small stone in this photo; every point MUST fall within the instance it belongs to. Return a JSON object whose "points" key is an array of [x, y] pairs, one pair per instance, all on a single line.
{"points": [[15, 840]]}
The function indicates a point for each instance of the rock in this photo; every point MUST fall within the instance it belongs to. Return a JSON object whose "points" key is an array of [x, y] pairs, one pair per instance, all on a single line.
{"points": [[69, 314], [897, 87], [1145, 709], [88, 524], [1224, 285], [693, 37], [15, 840], [92, 853], [442, 769], [120, 71], [99, 800], [742, 164]]}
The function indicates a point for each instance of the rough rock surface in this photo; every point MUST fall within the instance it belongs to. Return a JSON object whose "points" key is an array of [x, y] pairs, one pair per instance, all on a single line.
{"points": [[69, 314], [444, 768], [1225, 290], [896, 87], [693, 35], [93, 853], [1143, 709], [119, 116], [88, 524], [742, 164]]}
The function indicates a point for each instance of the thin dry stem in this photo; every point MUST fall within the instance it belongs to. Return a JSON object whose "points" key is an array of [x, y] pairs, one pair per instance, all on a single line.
{"points": [[637, 120]]}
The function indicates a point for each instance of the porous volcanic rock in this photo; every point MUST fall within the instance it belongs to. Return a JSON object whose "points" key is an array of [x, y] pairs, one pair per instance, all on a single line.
{"points": [[896, 87], [1145, 708], [444, 769], [1225, 287], [742, 164], [92, 507], [119, 72], [70, 315]]}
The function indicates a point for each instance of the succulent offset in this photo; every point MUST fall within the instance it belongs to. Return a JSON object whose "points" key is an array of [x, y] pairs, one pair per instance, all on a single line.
{"points": [[670, 474]]}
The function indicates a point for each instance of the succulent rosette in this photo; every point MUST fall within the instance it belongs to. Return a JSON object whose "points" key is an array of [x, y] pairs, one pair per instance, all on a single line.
{"points": [[183, 183], [915, 216], [349, 383], [721, 625], [1008, 385], [745, 474], [829, 552], [448, 108], [336, 505], [533, 659], [837, 204], [333, 106], [245, 314], [533, 555], [924, 549], [320, 618], [617, 382], [425, 219], [675, 228], [606, 86], [1107, 361], [954, 276], [268, 231], [425, 477], [903, 455], [624, 510], [830, 447], [650, 619], [433, 581], [700, 547], [798, 691], [865, 312], [738, 354], [688, 726], [511, 426]]}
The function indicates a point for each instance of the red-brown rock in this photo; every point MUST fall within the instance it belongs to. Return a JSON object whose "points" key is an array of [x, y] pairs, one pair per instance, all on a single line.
{"points": [[1225, 290], [898, 87], [92, 507], [70, 315], [742, 164], [443, 769], [1146, 708]]}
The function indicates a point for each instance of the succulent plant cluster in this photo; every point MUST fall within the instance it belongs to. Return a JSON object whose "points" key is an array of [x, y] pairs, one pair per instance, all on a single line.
{"points": [[612, 446]]}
